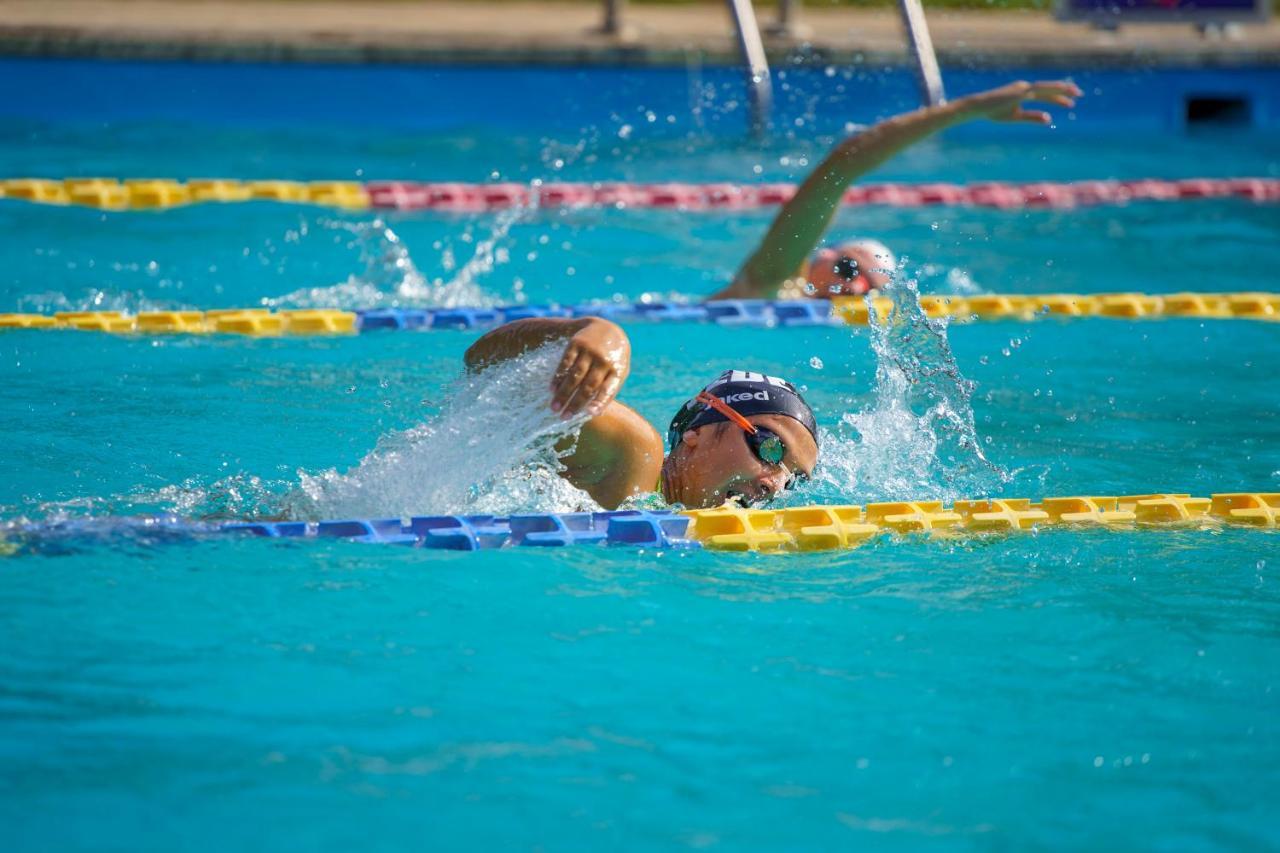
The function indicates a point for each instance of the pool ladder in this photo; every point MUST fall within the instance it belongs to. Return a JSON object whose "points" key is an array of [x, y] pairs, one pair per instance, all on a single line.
{"points": [[759, 81]]}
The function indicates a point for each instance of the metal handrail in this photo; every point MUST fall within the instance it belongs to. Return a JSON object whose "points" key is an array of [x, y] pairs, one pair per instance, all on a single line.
{"points": [[759, 82], [927, 73], [613, 24]]}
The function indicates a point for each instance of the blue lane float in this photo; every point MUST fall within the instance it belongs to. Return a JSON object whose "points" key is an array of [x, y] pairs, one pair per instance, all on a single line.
{"points": [[729, 312], [633, 528]]}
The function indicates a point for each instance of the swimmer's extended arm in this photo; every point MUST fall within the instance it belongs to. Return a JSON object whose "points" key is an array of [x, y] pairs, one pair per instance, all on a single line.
{"points": [[617, 454], [799, 226], [596, 360]]}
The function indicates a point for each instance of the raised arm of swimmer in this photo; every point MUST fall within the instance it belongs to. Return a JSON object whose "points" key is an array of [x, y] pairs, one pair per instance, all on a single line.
{"points": [[617, 454], [799, 226]]}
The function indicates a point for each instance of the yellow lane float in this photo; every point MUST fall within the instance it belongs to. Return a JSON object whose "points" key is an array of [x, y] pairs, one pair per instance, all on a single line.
{"points": [[824, 528]]}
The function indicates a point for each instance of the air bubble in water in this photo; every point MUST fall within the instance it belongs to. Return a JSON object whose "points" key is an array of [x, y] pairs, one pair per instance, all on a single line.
{"points": [[815, 363]]}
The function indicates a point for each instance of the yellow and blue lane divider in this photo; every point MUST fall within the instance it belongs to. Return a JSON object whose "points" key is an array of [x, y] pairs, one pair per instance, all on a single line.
{"points": [[809, 528], [728, 528], [256, 322], [263, 322], [162, 193]]}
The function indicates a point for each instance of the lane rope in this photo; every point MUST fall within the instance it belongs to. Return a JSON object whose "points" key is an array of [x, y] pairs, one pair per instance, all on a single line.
{"points": [[164, 193], [262, 322], [728, 528]]}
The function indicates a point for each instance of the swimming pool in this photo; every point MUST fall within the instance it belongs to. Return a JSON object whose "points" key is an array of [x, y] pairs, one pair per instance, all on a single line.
{"points": [[1063, 689]]}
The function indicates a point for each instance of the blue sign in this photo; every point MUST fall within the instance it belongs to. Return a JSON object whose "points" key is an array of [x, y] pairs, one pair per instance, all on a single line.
{"points": [[1161, 11]]}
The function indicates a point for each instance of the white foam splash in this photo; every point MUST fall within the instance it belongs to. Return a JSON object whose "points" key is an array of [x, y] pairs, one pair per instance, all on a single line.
{"points": [[917, 438], [489, 450], [390, 278], [938, 278], [95, 299], [236, 496]]}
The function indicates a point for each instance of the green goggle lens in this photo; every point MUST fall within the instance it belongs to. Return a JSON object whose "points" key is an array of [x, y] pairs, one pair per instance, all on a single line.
{"points": [[768, 446]]}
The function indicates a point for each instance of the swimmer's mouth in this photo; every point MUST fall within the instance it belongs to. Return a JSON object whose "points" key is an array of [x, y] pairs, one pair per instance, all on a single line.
{"points": [[742, 500]]}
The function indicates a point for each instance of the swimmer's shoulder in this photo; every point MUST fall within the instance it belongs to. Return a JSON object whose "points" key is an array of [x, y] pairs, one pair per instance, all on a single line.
{"points": [[618, 455]]}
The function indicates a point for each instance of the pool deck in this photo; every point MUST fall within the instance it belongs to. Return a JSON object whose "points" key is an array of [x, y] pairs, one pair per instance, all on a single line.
{"points": [[523, 32]]}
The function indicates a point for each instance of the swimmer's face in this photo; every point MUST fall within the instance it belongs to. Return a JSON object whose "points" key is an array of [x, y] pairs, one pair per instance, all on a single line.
{"points": [[848, 270], [719, 465]]}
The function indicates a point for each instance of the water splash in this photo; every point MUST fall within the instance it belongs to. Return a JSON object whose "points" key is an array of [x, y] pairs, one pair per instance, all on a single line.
{"points": [[95, 299], [389, 278], [939, 278], [233, 497], [917, 438], [489, 450]]}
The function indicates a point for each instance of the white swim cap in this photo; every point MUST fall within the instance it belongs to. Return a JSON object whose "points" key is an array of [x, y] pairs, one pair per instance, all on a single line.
{"points": [[885, 259]]}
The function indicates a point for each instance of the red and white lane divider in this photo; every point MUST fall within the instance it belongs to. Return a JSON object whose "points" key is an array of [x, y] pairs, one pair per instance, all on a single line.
{"points": [[164, 193], [407, 195]]}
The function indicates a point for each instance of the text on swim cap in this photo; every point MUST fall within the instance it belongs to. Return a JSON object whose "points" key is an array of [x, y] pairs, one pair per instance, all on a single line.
{"points": [[746, 376], [746, 395]]}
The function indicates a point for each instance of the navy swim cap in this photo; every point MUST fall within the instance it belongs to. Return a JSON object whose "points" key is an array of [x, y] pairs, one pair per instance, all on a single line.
{"points": [[748, 393]]}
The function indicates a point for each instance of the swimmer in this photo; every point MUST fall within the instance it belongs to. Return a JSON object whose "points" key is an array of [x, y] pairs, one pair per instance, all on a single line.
{"points": [[745, 436], [784, 264]]}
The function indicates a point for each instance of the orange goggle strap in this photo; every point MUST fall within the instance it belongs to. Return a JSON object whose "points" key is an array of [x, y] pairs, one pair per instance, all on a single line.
{"points": [[728, 411]]}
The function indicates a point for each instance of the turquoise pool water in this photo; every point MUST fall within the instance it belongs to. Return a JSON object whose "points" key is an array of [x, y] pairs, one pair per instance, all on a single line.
{"points": [[1056, 690]]}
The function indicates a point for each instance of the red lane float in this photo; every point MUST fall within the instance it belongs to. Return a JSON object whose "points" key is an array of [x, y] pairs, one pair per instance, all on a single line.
{"points": [[406, 195]]}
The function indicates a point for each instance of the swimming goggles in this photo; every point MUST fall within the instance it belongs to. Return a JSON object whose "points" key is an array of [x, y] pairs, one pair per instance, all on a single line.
{"points": [[766, 444], [846, 268]]}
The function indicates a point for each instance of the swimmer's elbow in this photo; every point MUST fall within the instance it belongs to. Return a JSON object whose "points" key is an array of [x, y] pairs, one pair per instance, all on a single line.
{"points": [[474, 358]]}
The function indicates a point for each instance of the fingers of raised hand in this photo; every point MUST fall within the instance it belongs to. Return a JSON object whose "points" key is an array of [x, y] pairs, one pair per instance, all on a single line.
{"points": [[597, 389], [585, 389], [1031, 116], [573, 367], [571, 353], [1060, 92]]}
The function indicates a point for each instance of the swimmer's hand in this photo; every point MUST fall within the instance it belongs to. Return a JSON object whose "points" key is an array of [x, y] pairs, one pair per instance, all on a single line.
{"points": [[596, 361], [1006, 103]]}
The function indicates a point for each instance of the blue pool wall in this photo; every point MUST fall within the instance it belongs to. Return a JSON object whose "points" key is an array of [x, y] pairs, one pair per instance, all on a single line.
{"points": [[809, 100]]}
